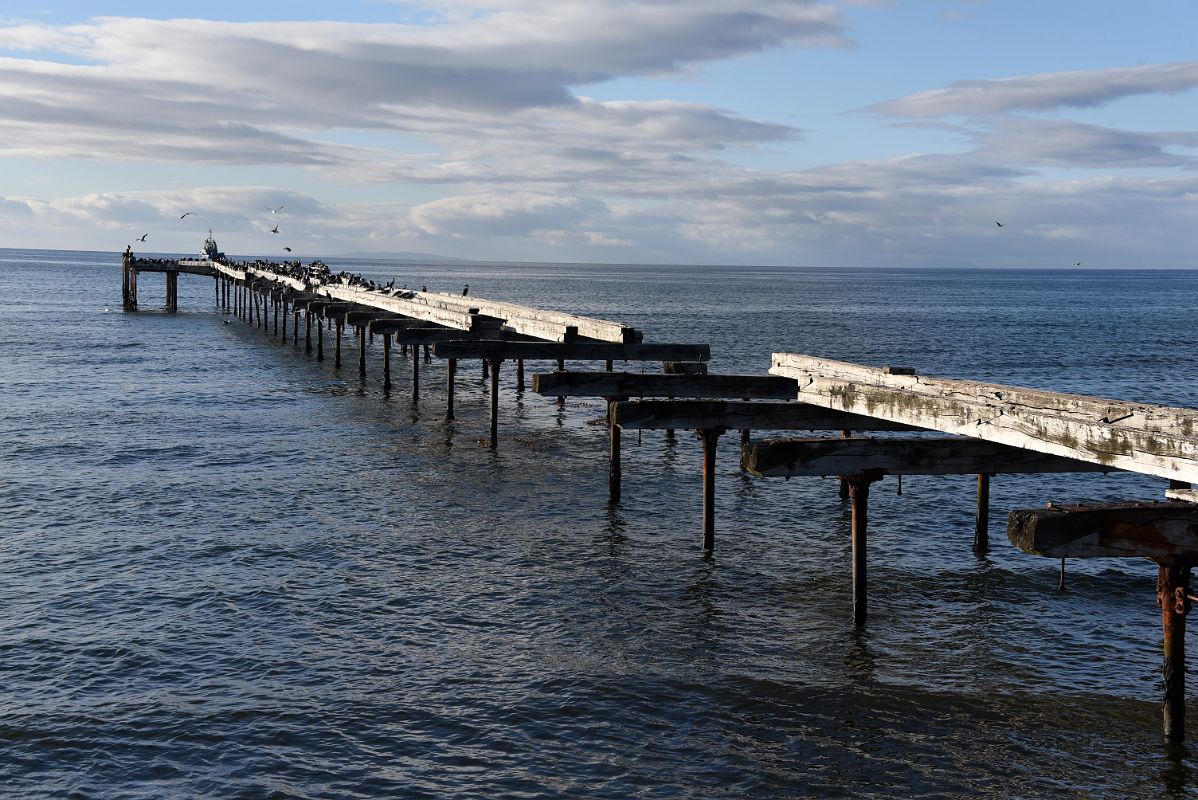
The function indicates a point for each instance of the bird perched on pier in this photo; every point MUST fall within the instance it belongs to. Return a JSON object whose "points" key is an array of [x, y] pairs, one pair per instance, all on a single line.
{"points": [[465, 289], [143, 237], [186, 214], [275, 229]]}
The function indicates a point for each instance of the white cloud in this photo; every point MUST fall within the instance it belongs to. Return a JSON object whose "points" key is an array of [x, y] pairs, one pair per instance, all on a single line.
{"points": [[1045, 92]]}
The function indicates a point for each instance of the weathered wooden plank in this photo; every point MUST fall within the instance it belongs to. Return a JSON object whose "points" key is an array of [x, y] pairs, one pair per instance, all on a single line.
{"points": [[431, 335], [631, 384], [172, 266], [355, 294], [788, 458], [1164, 532], [732, 415], [575, 351], [541, 323], [362, 318], [392, 324], [1156, 440]]}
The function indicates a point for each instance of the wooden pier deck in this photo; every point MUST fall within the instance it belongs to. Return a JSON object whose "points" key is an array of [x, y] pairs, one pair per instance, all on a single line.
{"points": [[924, 425]]}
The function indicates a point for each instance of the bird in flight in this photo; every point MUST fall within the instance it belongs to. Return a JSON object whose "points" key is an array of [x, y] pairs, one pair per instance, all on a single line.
{"points": [[143, 237], [999, 224], [1077, 263], [288, 249], [275, 229], [186, 214], [275, 210]]}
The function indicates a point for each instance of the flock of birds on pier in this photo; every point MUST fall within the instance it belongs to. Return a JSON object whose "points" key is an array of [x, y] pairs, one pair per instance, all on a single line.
{"points": [[317, 272]]}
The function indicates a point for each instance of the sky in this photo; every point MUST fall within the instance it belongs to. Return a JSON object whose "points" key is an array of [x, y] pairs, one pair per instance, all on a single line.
{"points": [[862, 133]]}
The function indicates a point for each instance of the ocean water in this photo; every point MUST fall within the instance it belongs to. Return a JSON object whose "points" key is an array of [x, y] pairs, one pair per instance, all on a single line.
{"points": [[231, 571]]}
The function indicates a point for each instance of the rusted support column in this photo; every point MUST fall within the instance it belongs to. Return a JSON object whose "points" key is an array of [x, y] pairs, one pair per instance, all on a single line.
{"points": [[844, 484], [274, 301], [561, 367], [337, 348], [415, 372], [386, 362], [519, 375], [216, 289], [132, 289], [1172, 595], [495, 401], [308, 330], [125, 282], [859, 497], [452, 373], [615, 475], [362, 352], [710, 437], [284, 336], [172, 289], [744, 435], [981, 534], [319, 341], [295, 312]]}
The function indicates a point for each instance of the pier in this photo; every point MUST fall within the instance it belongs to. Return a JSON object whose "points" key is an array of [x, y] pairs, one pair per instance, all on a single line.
{"points": [[877, 423]]}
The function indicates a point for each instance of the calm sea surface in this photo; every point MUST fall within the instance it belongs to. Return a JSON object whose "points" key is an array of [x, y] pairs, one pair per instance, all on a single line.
{"points": [[230, 571]]}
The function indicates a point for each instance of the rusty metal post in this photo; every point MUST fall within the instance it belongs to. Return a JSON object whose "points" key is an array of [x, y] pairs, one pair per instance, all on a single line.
{"points": [[981, 533], [452, 371], [386, 362], [172, 291], [710, 437], [561, 367], [495, 401], [337, 349], [859, 497], [362, 352], [744, 436], [1172, 595], [844, 484], [614, 470], [415, 372]]}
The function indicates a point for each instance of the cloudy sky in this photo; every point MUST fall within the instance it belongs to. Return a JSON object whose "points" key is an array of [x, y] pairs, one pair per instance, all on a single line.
{"points": [[862, 133]]}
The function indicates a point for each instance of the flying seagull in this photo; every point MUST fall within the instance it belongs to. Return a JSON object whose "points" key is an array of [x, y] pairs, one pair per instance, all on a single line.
{"points": [[288, 249], [143, 237], [275, 229], [186, 214], [999, 224], [275, 210]]}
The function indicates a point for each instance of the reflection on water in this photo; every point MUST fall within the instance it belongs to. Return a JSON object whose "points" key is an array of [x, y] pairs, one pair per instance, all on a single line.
{"points": [[231, 571]]}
